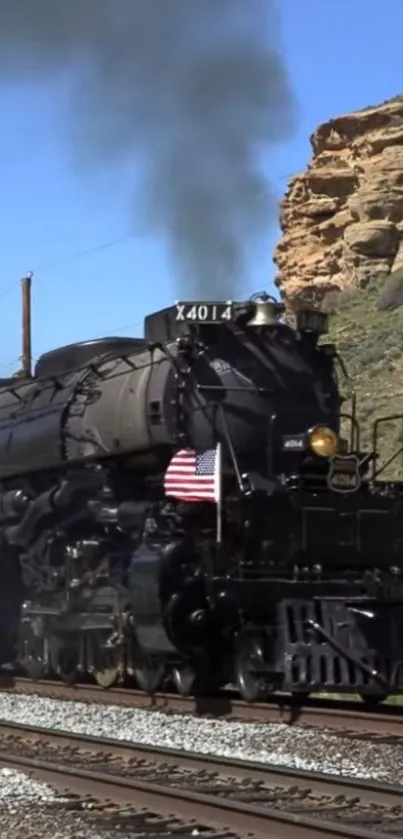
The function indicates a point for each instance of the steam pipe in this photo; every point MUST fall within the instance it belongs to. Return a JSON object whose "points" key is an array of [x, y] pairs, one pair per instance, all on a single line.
{"points": [[53, 501]]}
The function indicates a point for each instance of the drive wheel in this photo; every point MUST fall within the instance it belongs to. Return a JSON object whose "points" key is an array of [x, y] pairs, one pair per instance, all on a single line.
{"points": [[108, 666], [250, 658], [184, 679], [301, 695], [373, 698], [149, 674], [107, 677], [32, 653], [66, 665], [32, 660]]}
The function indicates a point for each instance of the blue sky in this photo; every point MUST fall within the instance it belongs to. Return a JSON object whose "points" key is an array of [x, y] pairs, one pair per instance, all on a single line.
{"points": [[340, 56]]}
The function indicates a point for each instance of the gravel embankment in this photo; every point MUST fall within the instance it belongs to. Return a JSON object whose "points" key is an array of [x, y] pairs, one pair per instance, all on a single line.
{"points": [[17, 789], [277, 744], [29, 808], [34, 810]]}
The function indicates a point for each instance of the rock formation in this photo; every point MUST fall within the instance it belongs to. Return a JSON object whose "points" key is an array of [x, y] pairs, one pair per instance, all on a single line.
{"points": [[342, 219]]}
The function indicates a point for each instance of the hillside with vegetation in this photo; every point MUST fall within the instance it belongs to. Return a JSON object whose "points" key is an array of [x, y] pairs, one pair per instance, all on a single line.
{"points": [[367, 327]]}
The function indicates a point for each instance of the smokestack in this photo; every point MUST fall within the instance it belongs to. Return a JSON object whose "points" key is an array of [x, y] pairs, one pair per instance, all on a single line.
{"points": [[26, 358], [186, 97]]}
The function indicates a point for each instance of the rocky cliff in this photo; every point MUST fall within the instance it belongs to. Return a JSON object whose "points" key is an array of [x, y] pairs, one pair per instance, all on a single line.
{"points": [[342, 219]]}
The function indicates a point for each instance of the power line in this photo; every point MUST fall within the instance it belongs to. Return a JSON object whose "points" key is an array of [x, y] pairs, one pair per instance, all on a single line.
{"points": [[115, 329], [71, 258], [86, 252], [127, 326], [9, 289]]}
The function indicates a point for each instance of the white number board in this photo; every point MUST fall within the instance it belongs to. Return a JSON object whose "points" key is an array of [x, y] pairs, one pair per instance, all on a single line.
{"points": [[203, 312]]}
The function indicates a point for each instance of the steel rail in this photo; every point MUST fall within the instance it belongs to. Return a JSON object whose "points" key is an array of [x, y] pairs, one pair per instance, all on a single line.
{"points": [[348, 716], [323, 783], [198, 808]]}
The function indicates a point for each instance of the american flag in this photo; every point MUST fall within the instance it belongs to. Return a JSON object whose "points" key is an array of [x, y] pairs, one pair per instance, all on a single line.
{"points": [[194, 476]]}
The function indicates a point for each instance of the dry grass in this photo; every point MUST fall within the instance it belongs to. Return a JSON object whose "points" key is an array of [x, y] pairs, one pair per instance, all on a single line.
{"points": [[370, 341]]}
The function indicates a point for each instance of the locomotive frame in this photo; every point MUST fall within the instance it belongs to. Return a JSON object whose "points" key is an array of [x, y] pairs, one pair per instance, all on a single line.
{"points": [[102, 574]]}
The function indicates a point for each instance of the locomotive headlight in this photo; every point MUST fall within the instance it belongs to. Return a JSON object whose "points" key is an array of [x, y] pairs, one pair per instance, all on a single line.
{"points": [[323, 441]]}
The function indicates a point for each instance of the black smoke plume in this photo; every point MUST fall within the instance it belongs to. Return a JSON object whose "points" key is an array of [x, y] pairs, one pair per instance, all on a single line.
{"points": [[195, 90]]}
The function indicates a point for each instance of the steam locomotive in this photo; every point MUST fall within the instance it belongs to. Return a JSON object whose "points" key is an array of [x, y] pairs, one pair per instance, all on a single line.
{"points": [[289, 578]]}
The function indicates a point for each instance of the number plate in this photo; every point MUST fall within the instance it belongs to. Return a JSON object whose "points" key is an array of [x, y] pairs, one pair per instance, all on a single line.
{"points": [[344, 473], [203, 312]]}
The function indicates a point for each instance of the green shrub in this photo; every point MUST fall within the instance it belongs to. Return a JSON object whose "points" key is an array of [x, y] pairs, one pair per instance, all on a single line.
{"points": [[337, 300], [329, 302], [391, 296], [370, 351]]}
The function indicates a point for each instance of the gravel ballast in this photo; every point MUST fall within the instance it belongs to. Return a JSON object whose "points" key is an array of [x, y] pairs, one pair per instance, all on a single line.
{"points": [[29, 808], [17, 789], [278, 744], [35, 810]]}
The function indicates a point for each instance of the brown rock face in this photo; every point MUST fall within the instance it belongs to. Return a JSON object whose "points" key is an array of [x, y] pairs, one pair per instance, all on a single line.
{"points": [[342, 219]]}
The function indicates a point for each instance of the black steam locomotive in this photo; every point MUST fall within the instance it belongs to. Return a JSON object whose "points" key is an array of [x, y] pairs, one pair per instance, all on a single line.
{"points": [[289, 579]]}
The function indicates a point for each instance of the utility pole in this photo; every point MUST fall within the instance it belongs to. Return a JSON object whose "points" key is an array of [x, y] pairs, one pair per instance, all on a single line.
{"points": [[26, 357]]}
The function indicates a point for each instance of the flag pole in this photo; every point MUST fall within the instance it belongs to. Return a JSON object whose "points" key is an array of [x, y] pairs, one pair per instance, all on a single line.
{"points": [[219, 493]]}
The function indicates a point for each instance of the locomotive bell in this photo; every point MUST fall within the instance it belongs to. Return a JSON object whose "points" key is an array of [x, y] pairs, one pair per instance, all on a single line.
{"points": [[266, 312]]}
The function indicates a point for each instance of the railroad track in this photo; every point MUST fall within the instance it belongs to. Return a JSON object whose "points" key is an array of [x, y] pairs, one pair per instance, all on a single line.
{"points": [[202, 791], [345, 716]]}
